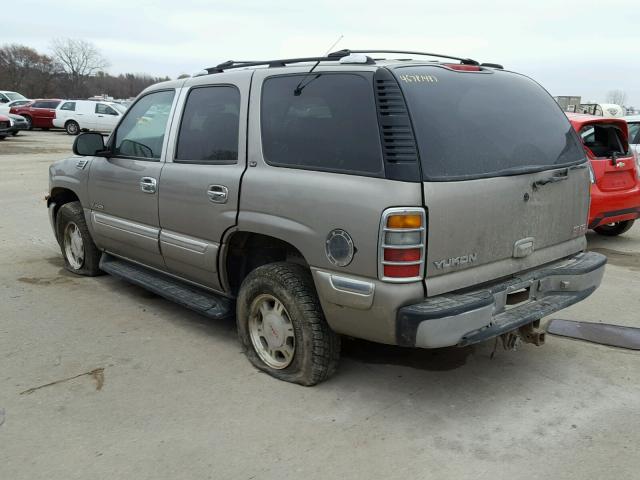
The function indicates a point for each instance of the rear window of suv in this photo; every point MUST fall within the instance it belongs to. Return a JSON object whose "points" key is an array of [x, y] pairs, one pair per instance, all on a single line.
{"points": [[485, 124], [322, 121]]}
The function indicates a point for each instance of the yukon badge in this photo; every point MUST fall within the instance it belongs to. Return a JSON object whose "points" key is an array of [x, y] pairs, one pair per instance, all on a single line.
{"points": [[456, 261]]}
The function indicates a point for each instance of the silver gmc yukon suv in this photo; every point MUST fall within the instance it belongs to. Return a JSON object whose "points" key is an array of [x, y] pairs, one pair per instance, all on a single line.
{"points": [[374, 194]]}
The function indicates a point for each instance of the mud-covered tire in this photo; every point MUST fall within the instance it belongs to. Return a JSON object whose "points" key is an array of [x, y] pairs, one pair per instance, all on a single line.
{"points": [[317, 347], [70, 218], [614, 229], [72, 127]]}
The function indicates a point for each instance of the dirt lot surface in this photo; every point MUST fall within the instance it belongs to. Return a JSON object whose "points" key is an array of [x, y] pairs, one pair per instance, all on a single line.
{"points": [[102, 380]]}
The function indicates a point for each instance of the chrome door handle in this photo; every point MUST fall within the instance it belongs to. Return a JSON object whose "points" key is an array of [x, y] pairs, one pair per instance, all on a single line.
{"points": [[148, 184], [218, 193]]}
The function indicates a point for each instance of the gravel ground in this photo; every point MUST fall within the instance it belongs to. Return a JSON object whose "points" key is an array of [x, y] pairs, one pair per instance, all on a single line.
{"points": [[101, 379]]}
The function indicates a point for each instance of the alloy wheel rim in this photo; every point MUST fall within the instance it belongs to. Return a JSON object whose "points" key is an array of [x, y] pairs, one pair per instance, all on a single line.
{"points": [[73, 246], [271, 331]]}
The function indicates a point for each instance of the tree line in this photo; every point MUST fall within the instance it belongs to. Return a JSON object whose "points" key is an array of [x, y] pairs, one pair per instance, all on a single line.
{"points": [[74, 69]]}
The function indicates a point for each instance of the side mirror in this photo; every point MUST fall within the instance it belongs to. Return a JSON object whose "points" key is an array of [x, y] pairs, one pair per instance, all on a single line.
{"points": [[88, 144], [4, 100]]}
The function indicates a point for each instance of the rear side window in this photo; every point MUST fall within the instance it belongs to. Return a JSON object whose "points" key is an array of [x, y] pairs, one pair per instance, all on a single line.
{"points": [[70, 106], [46, 104], [483, 124], [328, 125], [210, 125]]}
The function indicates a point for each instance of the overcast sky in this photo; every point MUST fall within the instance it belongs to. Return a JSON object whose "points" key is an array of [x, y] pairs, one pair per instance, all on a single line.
{"points": [[573, 48]]}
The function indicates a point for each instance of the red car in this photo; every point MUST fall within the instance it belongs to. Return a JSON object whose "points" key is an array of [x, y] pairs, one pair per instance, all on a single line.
{"points": [[38, 113], [615, 182]]}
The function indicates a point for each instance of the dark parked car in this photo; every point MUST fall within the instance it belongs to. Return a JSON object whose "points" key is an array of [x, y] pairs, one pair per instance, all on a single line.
{"points": [[39, 113], [19, 123], [5, 126]]}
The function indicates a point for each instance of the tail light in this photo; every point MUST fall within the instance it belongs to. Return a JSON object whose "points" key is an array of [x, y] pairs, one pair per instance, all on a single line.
{"points": [[402, 244], [592, 174]]}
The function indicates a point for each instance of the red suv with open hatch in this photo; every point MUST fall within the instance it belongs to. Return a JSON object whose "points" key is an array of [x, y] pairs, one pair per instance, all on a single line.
{"points": [[615, 180]]}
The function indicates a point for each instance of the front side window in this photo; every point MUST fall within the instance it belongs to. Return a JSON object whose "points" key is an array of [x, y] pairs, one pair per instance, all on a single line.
{"points": [[70, 106], [210, 125], [141, 132], [322, 121], [103, 109]]}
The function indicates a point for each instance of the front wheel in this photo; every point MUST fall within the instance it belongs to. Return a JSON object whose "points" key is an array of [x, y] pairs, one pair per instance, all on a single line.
{"points": [[81, 256], [15, 134], [614, 229], [282, 327], [29, 122]]}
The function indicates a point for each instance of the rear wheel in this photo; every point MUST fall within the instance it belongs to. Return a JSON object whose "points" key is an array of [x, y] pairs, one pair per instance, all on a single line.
{"points": [[81, 256], [614, 229], [72, 127], [282, 327]]}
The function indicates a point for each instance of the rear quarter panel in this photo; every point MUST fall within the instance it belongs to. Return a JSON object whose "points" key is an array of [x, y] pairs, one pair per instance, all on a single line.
{"points": [[303, 206]]}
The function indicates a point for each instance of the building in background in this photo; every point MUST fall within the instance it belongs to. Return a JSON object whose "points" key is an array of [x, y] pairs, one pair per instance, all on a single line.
{"points": [[568, 103]]}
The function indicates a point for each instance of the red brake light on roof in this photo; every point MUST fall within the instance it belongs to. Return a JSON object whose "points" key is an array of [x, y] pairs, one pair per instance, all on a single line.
{"points": [[462, 68]]}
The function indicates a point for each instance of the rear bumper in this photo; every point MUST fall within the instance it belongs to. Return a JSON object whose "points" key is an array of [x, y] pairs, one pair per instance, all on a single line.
{"points": [[615, 216], [612, 207], [466, 318]]}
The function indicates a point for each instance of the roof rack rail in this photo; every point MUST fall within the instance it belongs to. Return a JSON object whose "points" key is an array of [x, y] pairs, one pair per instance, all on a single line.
{"points": [[464, 61], [332, 57]]}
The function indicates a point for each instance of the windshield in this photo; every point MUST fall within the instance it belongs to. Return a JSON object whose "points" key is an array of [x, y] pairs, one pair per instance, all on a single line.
{"points": [[121, 108], [473, 125], [13, 96]]}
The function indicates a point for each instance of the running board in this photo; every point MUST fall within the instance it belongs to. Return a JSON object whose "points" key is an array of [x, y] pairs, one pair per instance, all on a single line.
{"points": [[194, 298]]}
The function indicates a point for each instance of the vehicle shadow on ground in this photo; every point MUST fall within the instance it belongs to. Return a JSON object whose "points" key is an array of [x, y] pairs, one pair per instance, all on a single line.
{"points": [[440, 359]]}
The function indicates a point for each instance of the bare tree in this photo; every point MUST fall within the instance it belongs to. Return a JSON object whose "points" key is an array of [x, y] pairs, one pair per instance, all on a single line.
{"points": [[79, 59], [25, 70], [619, 97]]}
